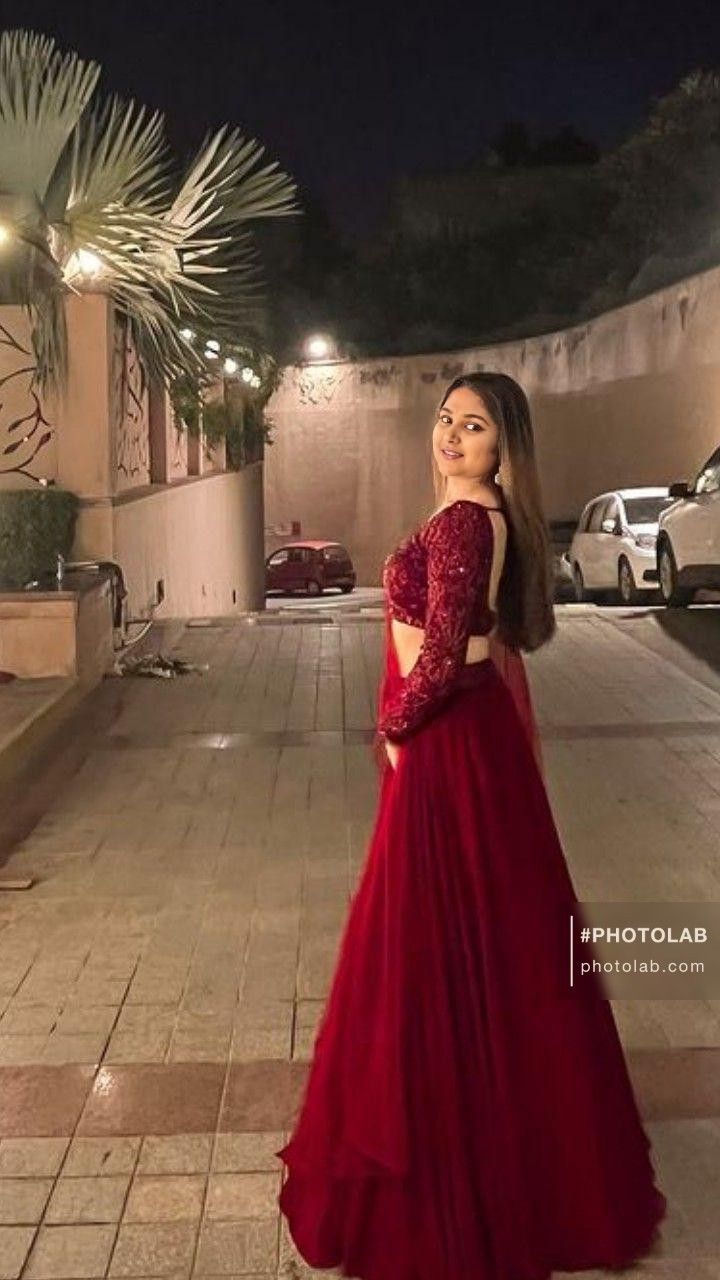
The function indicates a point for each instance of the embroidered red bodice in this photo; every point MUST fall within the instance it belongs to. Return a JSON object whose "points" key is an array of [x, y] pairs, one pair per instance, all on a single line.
{"points": [[438, 579]]}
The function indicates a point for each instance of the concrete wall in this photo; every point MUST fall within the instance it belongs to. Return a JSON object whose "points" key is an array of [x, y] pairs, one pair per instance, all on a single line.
{"points": [[50, 634], [150, 498], [28, 438], [630, 398], [203, 538]]}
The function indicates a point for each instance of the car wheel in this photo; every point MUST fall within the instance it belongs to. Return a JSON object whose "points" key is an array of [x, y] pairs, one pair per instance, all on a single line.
{"points": [[313, 587], [348, 587], [581, 593], [672, 594], [627, 590]]}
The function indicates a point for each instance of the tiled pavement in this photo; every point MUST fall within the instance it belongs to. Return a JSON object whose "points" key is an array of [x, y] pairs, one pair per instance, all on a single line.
{"points": [[161, 982]]}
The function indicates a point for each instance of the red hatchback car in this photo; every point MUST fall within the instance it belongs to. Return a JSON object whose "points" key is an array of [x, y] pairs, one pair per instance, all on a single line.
{"points": [[310, 566]]}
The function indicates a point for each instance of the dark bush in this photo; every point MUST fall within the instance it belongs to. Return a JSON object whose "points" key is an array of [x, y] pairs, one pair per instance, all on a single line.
{"points": [[34, 525]]}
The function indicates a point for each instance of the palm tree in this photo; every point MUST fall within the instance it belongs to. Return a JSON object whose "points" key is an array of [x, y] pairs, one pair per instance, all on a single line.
{"points": [[87, 195]]}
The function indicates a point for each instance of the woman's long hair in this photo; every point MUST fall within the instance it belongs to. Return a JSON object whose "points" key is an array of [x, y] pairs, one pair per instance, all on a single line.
{"points": [[526, 618]]}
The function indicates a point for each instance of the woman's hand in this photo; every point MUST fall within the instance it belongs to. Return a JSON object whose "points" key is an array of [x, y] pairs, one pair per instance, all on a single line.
{"points": [[393, 750]]}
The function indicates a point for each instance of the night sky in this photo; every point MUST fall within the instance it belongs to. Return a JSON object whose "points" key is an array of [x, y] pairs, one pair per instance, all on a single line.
{"points": [[347, 96]]}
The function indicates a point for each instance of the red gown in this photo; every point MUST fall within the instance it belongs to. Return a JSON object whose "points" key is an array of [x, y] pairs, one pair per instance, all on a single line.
{"points": [[463, 1117]]}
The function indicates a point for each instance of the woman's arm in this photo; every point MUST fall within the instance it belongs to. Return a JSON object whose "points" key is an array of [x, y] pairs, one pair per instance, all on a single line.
{"points": [[459, 544]]}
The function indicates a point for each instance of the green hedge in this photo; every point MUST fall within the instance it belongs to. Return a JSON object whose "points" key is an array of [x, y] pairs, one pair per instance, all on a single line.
{"points": [[34, 525]]}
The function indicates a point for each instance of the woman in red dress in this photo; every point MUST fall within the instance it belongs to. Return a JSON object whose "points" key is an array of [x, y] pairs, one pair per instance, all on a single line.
{"points": [[464, 1116]]}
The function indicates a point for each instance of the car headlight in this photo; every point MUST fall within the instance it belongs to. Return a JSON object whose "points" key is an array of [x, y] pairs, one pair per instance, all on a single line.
{"points": [[645, 539]]}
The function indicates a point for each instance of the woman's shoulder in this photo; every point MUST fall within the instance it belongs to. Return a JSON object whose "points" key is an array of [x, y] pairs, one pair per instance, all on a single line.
{"points": [[462, 513]]}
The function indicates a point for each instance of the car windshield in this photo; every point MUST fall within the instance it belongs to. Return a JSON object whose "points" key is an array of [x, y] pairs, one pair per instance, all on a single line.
{"points": [[645, 510]]}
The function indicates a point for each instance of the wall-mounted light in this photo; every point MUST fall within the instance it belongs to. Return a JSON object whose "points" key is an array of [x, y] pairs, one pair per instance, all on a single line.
{"points": [[83, 263], [212, 345], [88, 263], [319, 346], [187, 334], [5, 234]]}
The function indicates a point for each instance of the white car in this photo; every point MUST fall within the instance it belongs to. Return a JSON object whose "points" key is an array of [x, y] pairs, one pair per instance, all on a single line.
{"points": [[688, 544], [613, 547]]}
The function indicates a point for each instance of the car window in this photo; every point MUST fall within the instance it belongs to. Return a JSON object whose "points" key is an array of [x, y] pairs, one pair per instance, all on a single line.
{"points": [[584, 517], [611, 510], [279, 557], [297, 555], [335, 553], [645, 510], [596, 515], [708, 481]]}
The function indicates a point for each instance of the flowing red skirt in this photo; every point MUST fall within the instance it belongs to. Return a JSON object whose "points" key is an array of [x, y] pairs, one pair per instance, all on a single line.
{"points": [[464, 1117]]}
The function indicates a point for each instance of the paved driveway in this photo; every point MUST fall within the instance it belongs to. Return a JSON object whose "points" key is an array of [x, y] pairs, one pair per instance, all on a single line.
{"points": [[161, 983]]}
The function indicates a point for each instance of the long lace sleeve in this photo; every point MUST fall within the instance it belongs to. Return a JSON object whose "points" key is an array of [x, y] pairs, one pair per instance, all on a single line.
{"points": [[459, 543]]}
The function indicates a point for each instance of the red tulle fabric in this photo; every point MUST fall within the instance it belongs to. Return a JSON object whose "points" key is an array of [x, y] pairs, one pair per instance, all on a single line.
{"points": [[464, 1116], [511, 667]]}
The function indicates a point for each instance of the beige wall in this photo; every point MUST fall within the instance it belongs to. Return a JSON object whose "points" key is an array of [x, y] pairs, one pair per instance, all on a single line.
{"points": [[97, 427], [57, 634], [630, 398], [202, 537], [28, 436], [150, 500]]}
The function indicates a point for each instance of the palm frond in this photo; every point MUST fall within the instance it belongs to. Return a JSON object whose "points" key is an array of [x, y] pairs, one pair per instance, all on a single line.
{"points": [[120, 156], [217, 188], [172, 256], [101, 180], [239, 286], [43, 94], [49, 337], [164, 353]]}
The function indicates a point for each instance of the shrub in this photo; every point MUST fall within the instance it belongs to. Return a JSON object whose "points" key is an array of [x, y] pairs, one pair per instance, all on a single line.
{"points": [[34, 525]]}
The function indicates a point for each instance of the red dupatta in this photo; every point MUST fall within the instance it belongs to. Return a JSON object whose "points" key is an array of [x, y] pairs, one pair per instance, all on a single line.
{"points": [[510, 664]]}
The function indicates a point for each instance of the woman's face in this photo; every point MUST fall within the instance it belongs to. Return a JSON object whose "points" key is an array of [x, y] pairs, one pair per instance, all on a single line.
{"points": [[465, 438]]}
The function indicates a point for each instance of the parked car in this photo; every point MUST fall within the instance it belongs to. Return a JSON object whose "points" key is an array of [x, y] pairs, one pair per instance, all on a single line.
{"points": [[688, 543], [613, 547], [310, 566]]}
